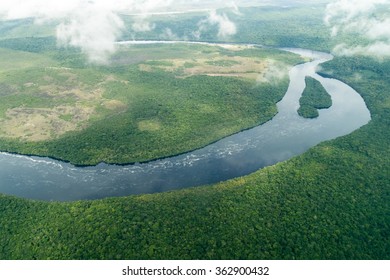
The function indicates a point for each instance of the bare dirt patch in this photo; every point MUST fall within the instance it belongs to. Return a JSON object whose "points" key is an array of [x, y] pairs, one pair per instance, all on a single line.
{"points": [[76, 101], [235, 66], [37, 124]]}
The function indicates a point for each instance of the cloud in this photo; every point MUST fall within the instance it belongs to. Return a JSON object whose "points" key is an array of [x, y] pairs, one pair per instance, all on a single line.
{"points": [[169, 35], [379, 50], [95, 25], [368, 21], [276, 71], [141, 24], [225, 26], [234, 8], [17, 9], [93, 31], [91, 25]]}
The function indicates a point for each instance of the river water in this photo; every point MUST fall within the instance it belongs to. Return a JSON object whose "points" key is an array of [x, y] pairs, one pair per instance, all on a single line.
{"points": [[281, 138]]}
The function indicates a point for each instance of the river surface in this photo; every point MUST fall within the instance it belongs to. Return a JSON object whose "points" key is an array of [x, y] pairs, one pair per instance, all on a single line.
{"points": [[281, 138]]}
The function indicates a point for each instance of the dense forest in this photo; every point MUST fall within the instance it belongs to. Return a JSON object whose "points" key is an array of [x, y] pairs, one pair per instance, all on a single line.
{"points": [[331, 202], [314, 97]]}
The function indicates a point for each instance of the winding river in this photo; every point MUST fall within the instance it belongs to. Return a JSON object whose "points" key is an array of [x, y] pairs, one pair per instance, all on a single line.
{"points": [[281, 138]]}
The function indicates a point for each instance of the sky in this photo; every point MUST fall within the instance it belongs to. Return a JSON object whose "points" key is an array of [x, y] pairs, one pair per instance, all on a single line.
{"points": [[95, 25]]}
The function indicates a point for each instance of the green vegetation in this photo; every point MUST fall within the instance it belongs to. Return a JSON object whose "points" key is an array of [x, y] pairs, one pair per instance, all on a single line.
{"points": [[23, 28], [16, 60], [330, 203], [127, 112], [29, 44], [314, 97]]}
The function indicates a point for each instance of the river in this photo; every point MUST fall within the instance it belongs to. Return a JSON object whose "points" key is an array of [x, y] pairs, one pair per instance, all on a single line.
{"points": [[281, 138]]}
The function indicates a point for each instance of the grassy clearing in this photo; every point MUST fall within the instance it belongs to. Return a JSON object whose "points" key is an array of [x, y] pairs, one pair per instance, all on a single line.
{"points": [[16, 60], [37, 94]]}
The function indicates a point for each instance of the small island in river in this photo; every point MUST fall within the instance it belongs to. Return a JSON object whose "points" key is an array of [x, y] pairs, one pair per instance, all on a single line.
{"points": [[314, 97]]}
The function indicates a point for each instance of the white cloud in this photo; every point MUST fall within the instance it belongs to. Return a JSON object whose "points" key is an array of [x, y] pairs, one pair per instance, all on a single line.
{"points": [[367, 20], [379, 50], [344, 11], [94, 25], [93, 31], [91, 25], [225, 26], [169, 35], [141, 24], [16, 9], [235, 9], [276, 71]]}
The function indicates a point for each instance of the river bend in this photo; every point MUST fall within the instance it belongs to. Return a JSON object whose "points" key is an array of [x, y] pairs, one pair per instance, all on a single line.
{"points": [[281, 138]]}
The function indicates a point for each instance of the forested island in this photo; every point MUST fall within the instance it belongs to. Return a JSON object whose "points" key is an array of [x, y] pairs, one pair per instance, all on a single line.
{"points": [[314, 97]]}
